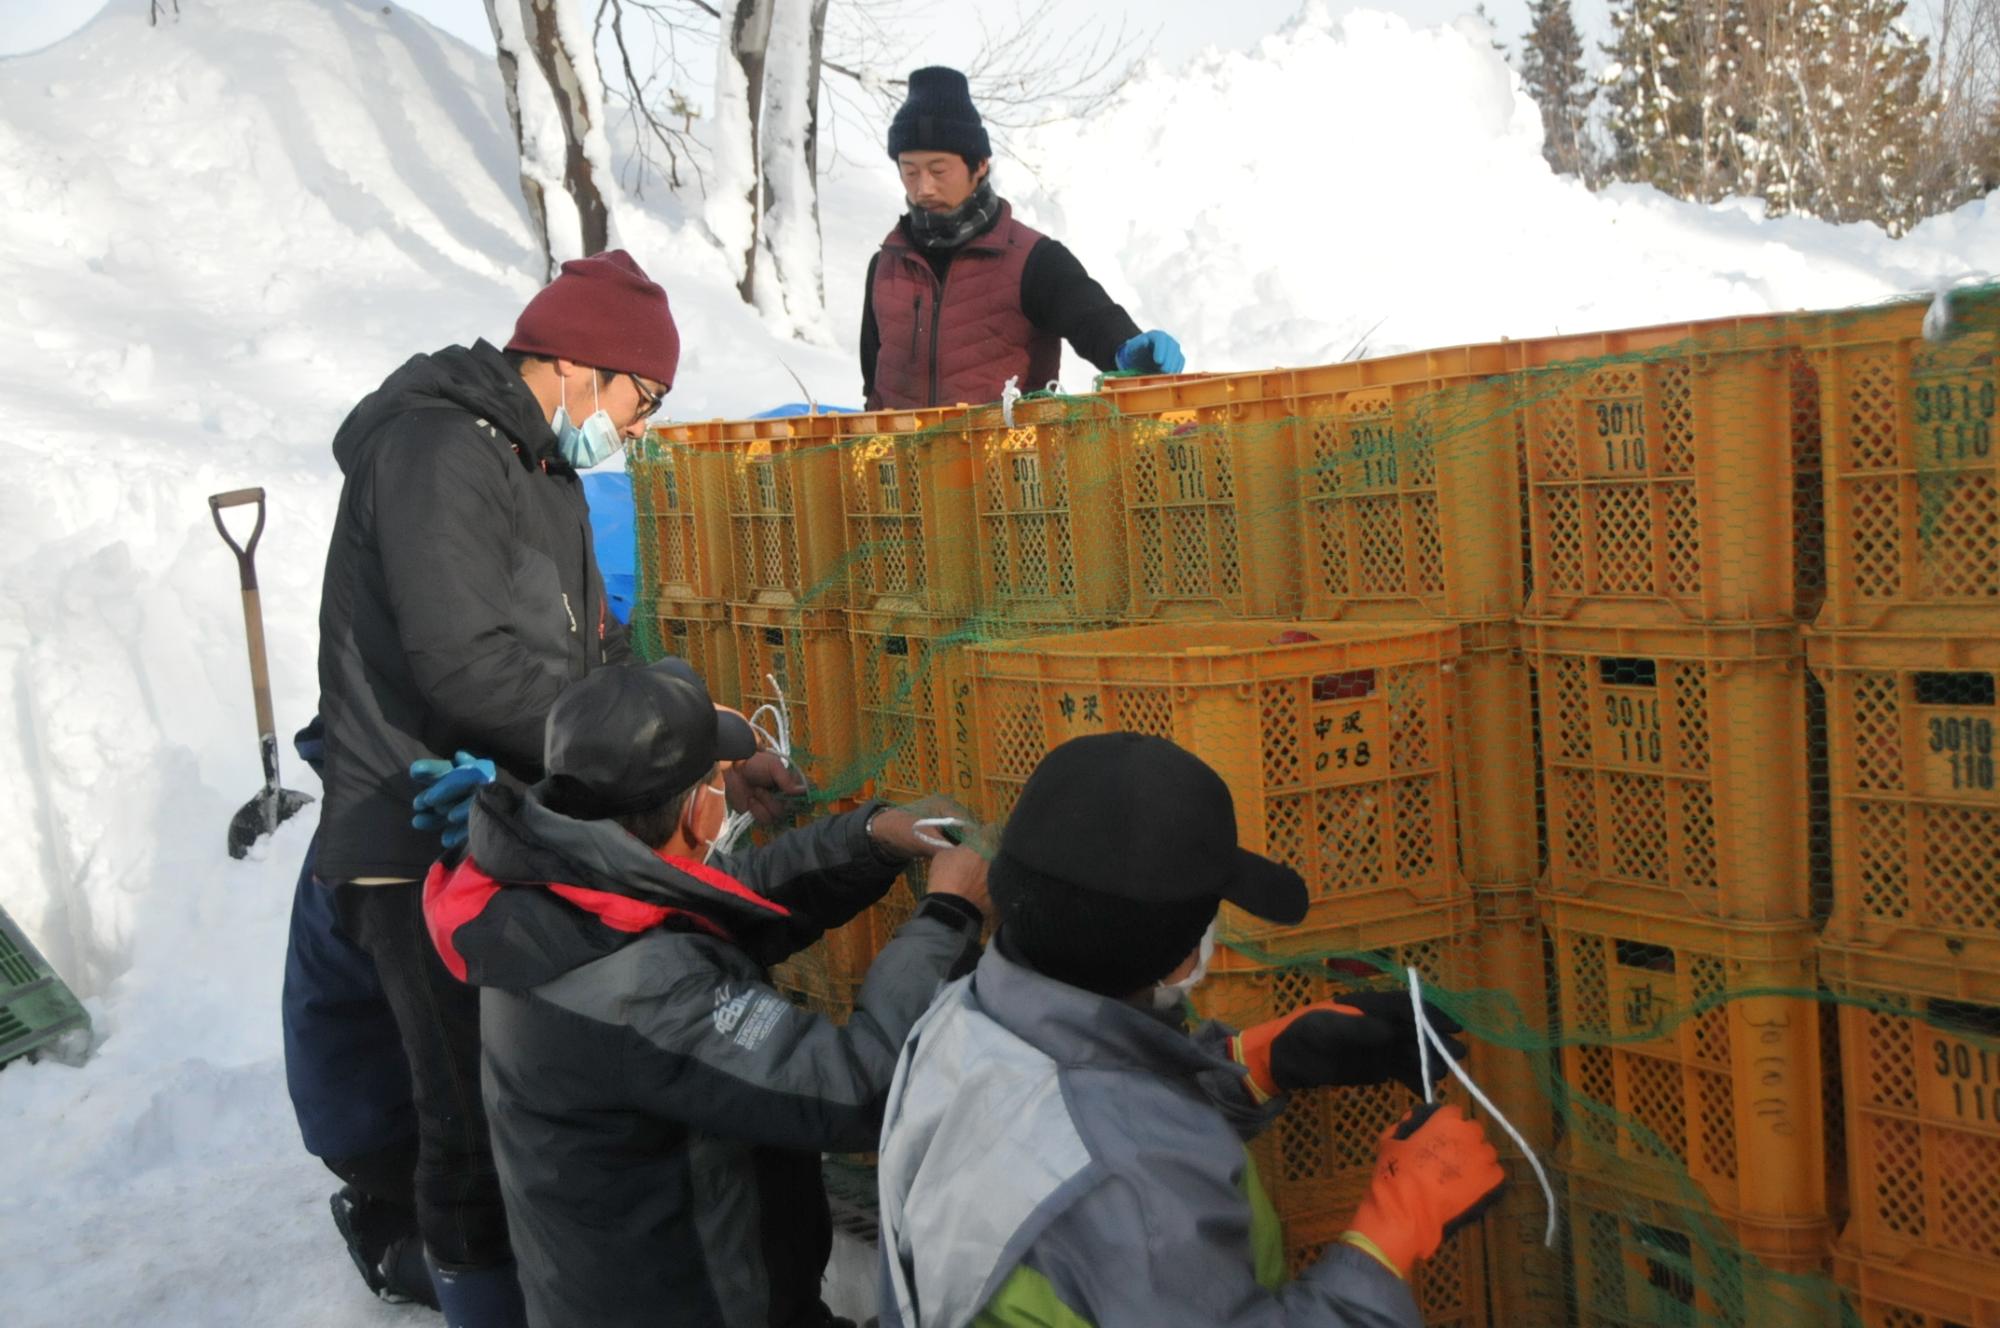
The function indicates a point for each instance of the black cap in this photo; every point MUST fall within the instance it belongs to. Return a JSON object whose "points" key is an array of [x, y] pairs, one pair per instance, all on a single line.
{"points": [[939, 116], [1137, 817], [624, 740]]}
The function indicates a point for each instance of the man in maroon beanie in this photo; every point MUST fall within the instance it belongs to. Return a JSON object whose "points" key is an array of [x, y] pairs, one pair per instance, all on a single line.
{"points": [[462, 595]]}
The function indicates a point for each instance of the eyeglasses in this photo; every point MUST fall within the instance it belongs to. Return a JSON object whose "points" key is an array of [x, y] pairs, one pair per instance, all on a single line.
{"points": [[649, 401]]}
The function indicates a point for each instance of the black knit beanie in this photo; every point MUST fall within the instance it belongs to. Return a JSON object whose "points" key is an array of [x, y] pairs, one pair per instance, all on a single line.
{"points": [[1100, 942], [939, 117]]}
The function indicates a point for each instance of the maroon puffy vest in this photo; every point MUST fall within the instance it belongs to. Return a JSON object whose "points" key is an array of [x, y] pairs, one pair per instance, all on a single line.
{"points": [[962, 339]]}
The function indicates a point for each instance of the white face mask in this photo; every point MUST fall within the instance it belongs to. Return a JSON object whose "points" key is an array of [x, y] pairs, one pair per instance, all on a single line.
{"points": [[594, 442], [1169, 995]]}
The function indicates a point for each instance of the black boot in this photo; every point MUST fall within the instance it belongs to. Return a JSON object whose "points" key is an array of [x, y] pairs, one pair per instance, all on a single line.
{"points": [[483, 1297], [383, 1242]]}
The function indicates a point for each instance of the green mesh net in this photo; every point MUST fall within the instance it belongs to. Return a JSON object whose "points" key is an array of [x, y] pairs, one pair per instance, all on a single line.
{"points": [[1636, 689]]}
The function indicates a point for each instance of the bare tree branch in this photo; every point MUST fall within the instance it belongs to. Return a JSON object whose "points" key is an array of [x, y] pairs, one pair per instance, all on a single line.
{"points": [[650, 120]]}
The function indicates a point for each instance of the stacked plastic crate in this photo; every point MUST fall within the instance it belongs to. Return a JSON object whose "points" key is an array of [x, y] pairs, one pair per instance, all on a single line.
{"points": [[681, 529], [1663, 493], [1907, 649], [1330, 702]]}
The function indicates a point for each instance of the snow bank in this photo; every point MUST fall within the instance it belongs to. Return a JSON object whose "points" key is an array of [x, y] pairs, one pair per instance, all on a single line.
{"points": [[1357, 179], [222, 231]]}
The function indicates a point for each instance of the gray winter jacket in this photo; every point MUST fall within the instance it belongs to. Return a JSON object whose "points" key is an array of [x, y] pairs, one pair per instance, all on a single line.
{"points": [[657, 1109], [1054, 1157]]}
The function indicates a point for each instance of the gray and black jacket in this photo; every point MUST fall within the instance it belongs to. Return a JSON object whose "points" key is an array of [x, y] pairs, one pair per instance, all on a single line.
{"points": [[461, 596], [657, 1109], [1052, 1157]]}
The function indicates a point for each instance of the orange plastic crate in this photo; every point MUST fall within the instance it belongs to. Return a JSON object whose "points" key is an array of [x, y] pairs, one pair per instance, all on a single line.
{"points": [[826, 976], [680, 518], [1643, 1263], [1336, 749], [1663, 471], [1527, 1280], [1676, 768], [1499, 836], [1885, 1296], [805, 652], [1921, 1068], [781, 481], [1315, 1159], [699, 631], [1911, 735], [1317, 1156], [1912, 473], [1050, 516], [916, 725], [1406, 462], [906, 480], [1209, 471], [1693, 1057], [1450, 1287]]}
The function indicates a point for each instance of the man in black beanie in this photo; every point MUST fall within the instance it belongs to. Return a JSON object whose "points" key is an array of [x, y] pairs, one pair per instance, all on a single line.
{"points": [[962, 297], [1057, 1149]]}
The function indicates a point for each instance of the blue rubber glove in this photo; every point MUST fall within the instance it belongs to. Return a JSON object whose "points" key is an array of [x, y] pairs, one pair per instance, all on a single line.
{"points": [[444, 802], [1152, 352]]}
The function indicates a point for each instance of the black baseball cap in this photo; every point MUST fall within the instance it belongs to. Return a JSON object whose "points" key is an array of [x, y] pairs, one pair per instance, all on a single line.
{"points": [[623, 740], [1139, 818]]}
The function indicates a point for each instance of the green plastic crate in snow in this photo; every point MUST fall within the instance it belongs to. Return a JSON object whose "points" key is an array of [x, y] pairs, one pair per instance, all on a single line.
{"points": [[36, 1008]]}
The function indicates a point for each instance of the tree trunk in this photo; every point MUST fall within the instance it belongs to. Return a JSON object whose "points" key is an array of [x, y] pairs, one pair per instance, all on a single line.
{"points": [[790, 279], [734, 213], [507, 45], [569, 65]]}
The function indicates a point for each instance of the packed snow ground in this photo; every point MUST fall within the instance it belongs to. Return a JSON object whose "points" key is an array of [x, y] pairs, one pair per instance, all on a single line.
{"points": [[222, 231]]}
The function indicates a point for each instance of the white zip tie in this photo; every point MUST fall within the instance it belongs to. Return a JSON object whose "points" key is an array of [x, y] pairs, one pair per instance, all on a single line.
{"points": [[935, 841], [1426, 1035], [1009, 394]]}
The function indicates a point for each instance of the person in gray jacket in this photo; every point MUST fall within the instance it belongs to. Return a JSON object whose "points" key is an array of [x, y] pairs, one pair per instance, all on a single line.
{"points": [[657, 1108], [1057, 1150]]}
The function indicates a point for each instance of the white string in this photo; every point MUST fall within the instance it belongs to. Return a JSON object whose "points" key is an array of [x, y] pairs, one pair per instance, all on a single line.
{"points": [[781, 716], [1423, 1044], [736, 823], [1426, 1036]]}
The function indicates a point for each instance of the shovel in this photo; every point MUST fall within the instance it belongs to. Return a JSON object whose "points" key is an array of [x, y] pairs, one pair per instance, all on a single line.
{"points": [[272, 804]]}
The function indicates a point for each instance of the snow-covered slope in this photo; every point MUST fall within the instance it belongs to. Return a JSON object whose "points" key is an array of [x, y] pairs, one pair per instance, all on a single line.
{"points": [[221, 231], [1355, 173]]}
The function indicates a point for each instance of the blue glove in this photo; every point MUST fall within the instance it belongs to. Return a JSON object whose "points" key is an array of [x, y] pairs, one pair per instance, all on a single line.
{"points": [[445, 799], [1152, 352]]}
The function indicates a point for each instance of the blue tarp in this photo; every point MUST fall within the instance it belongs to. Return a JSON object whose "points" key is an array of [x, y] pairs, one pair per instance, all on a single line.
{"points": [[610, 498], [802, 408]]}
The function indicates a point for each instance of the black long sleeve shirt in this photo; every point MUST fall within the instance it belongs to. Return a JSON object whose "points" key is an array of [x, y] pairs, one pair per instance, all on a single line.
{"points": [[1057, 296]]}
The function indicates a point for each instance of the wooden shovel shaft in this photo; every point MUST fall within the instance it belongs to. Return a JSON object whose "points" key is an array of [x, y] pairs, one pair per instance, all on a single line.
{"points": [[253, 620], [260, 675]]}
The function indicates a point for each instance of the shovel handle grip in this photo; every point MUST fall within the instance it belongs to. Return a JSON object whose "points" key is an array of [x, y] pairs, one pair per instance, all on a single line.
{"points": [[246, 554]]}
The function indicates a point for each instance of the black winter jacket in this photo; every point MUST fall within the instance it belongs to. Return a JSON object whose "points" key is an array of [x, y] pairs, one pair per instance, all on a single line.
{"points": [[657, 1109], [461, 596]]}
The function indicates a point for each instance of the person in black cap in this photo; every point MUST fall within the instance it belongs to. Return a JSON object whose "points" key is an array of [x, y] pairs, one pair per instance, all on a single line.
{"points": [[963, 297], [657, 1108], [1057, 1149]]}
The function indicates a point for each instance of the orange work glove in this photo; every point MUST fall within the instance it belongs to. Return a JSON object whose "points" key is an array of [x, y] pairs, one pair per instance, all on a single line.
{"points": [[1361, 1038], [1434, 1173]]}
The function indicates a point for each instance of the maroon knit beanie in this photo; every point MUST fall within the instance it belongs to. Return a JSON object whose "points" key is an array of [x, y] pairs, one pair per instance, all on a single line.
{"points": [[604, 312]]}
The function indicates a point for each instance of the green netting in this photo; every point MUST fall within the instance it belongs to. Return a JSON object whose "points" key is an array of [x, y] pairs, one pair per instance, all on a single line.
{"points": [[1637, 688]]}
